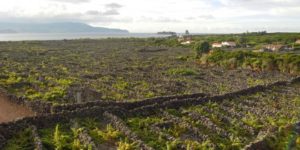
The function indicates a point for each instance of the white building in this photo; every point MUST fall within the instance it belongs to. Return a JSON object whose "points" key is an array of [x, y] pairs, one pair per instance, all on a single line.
{"points": [[223, 44], [185, 39], [228, 44], [277, 48], [216, 45], [186, 42]]}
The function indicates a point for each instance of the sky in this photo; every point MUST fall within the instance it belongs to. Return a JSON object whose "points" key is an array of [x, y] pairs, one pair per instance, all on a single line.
{"points": [[150, 16]]}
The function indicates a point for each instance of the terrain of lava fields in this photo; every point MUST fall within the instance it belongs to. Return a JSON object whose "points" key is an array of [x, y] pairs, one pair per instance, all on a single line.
{"points": [[114, 70], [232, 123]]}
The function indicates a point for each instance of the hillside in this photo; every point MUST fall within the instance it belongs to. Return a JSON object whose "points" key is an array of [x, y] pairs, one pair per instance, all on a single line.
{"points": [[63, 27]]}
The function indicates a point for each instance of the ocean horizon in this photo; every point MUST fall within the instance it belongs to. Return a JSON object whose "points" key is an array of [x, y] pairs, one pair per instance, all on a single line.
{"points": [[71, 36]]}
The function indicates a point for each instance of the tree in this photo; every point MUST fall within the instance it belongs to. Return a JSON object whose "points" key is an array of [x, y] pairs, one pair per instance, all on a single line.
{"points": [[187, 32], [201, 48], [242, 41]]}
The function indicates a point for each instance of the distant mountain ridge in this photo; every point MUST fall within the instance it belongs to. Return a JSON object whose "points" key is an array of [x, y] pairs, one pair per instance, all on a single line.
{"points": [[7, 31], [63, 27]]}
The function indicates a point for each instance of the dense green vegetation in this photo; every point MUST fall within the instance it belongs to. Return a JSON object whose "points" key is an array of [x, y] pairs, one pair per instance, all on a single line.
{"points": [[201, 48], [288, 63], [255, 41], [249, 41]]}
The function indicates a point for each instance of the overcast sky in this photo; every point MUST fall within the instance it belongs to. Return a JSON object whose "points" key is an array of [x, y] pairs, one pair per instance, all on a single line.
{"points": [[201, 16]]}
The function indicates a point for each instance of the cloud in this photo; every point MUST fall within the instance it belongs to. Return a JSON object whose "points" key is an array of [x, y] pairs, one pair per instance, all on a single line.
{"points": [[111, 9], [257, 4], [114, 5], [104, 13], [206, 17], [146, 16], [111, 12], [166, 20], [91, 16], [157, 20], [72, 1], [93, 12]]}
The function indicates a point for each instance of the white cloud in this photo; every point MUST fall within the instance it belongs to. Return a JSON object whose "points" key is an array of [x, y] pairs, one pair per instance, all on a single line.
{"points": [[113, 5], [156, 15], [72, 1]]}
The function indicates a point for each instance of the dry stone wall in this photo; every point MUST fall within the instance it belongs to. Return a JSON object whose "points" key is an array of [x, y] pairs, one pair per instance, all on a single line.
{"points": [[119, 124], [36, 106], [172, 101], [37, 140], [96, 109]]}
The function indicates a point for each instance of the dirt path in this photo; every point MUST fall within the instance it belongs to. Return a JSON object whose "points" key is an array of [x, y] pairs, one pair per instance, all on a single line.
{"points": [[10, 111]]}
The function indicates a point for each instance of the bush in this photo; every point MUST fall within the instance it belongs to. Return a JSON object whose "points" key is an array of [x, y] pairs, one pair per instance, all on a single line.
{"points": [[288, 63], [201, 48]]}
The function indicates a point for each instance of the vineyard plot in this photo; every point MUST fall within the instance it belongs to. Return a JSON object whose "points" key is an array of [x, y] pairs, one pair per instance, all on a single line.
{"points": [[113, 70], [266, 117], [227, 124]]}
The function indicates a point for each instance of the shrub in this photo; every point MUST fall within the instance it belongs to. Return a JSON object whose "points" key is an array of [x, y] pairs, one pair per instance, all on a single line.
{"points": [[289, 63], [125, 145], [201, 48]]}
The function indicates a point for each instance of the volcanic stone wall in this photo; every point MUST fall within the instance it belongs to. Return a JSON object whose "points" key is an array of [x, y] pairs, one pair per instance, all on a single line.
{"points": [[171, 101], [145, 110], [36, 106], [8, 130], [126, 105], [96, 109], [119, 124]]}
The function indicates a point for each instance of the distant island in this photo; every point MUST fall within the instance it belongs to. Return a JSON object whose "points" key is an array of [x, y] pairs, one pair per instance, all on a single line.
{"points": [[62, 27], [7, 31], [167, 33]]}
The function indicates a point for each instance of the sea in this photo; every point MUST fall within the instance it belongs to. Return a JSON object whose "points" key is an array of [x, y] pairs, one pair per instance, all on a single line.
{"points": [[70, 36]]}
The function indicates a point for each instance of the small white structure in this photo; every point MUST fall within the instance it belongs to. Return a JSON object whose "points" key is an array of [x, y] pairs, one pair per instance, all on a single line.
{"points": [[228, 44], [186, 42], [273, 47], [216, 45], [297, 42], [277, 48], [224, 44], [185, 39]]}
